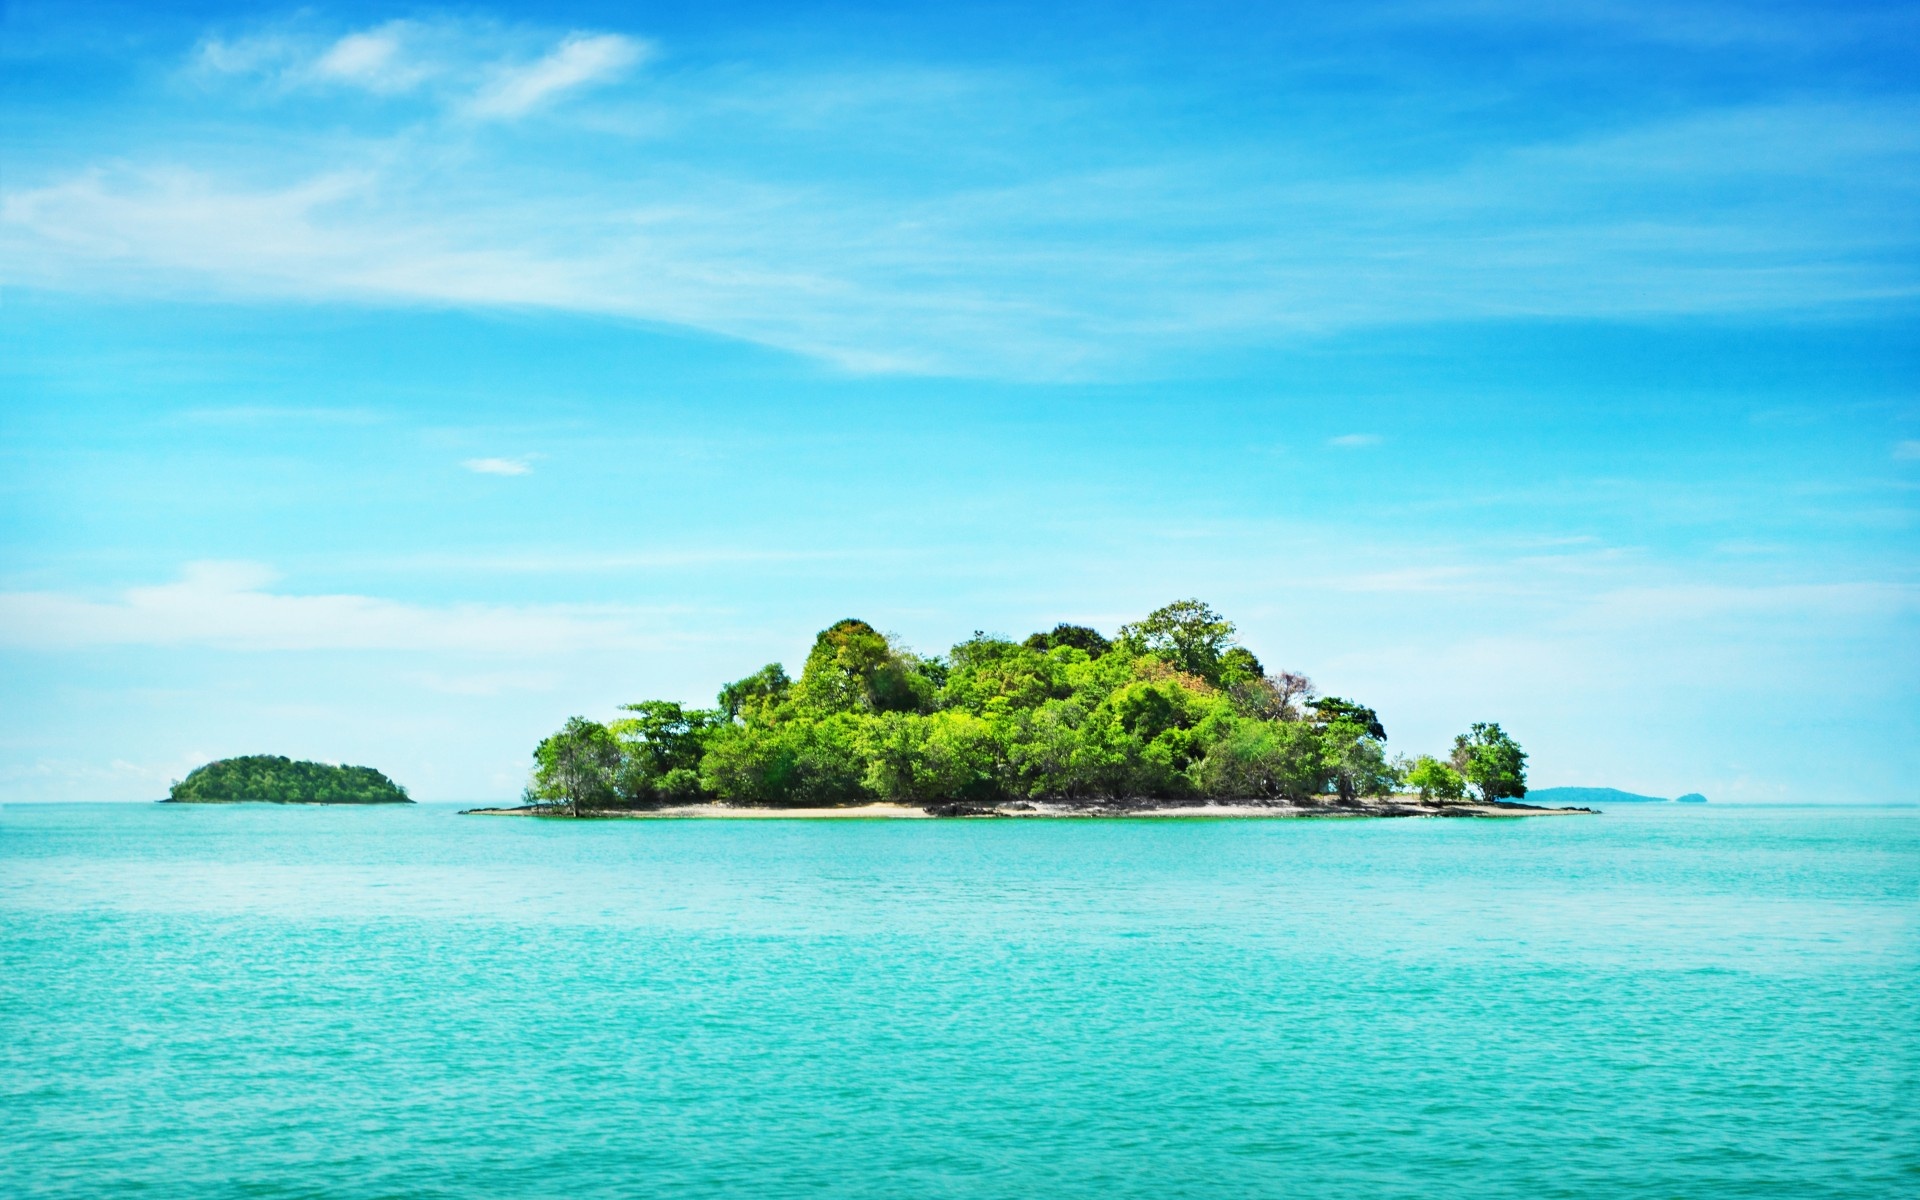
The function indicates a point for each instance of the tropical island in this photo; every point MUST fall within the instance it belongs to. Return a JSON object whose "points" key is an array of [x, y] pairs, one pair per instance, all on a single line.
{"points": [[274, 779], [1169, 717]]}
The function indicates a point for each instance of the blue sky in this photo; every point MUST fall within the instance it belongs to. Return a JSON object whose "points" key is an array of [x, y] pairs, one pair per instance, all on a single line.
{"points": [[385, 384]]}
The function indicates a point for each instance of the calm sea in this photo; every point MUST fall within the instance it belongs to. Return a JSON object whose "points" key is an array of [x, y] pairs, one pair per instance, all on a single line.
{"points": [[305, 1002]]}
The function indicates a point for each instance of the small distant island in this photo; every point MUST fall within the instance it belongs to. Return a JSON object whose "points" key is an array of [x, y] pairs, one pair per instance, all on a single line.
{"points": [[1170, 716], [274, 779], [1605, 795]]}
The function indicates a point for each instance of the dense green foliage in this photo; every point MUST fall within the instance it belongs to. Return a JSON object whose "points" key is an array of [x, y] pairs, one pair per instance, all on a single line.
{"points": [[278, 780], [1491, 761], [1170, 708], [1435, 780], [580, 767]]}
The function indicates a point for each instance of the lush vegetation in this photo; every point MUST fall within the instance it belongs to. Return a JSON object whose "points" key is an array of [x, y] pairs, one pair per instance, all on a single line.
{"points": [[278, 780], [1170, 708]]}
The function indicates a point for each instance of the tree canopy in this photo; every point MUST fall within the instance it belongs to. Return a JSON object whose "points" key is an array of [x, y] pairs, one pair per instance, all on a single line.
{"points": [[1328, 709], [580, 767], [1491, 761], [1186, 634], [276, 779], [1435, 780], [1080, 637], [1172, 707]]}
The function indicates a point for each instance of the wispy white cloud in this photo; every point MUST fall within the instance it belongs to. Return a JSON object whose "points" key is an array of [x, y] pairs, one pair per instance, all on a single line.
{"points": [[478, 68], [323, 236], [498, 466], [1029, 267], [1354, 441], [375, 59], [578, 61], [1907, 450], [230, 606], [253, 54]]}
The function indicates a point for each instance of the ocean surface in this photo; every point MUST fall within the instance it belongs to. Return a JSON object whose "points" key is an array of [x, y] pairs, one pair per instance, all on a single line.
{"points": [[309, 1002]]}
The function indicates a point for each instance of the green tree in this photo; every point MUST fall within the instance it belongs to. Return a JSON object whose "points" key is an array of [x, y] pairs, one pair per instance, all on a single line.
{"points": [[1146, 710], [1044, 750], [1492, 761], [915, 759], [853, 668], [1149, 734], [1329, 709], [660, 750], [1435, 780], [800, 762], [1187, 634], [1356, 762], [1079, 637], [665, 734], [1264, 760], [577, 766], [1239, 667], [992, 675], [762, 690]]}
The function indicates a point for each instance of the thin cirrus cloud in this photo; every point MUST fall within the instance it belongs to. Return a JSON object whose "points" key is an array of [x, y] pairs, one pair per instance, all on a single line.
{"points": [[833, 272], [485, 75], [386, 59], [376, 59], [498, 466], [227, 605], [1354, 441], [578, 61], [896, 263]]}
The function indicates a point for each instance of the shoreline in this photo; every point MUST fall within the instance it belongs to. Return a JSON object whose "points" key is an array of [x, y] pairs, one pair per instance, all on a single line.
{"points": [[1372, 808], [302, 803]]}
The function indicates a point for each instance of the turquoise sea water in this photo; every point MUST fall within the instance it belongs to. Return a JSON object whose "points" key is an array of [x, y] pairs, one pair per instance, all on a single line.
{"points": [[292, 1002]]}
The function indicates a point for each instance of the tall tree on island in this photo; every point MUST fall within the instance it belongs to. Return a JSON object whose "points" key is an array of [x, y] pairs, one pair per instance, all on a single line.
{"points": [[1186, 634], [1355, 762], [1492, 761], [1435, 780], [1329, 710], [576, 767]]}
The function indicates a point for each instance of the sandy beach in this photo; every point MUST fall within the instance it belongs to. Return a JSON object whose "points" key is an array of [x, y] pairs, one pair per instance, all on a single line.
{"points": [[1371, 807]]}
